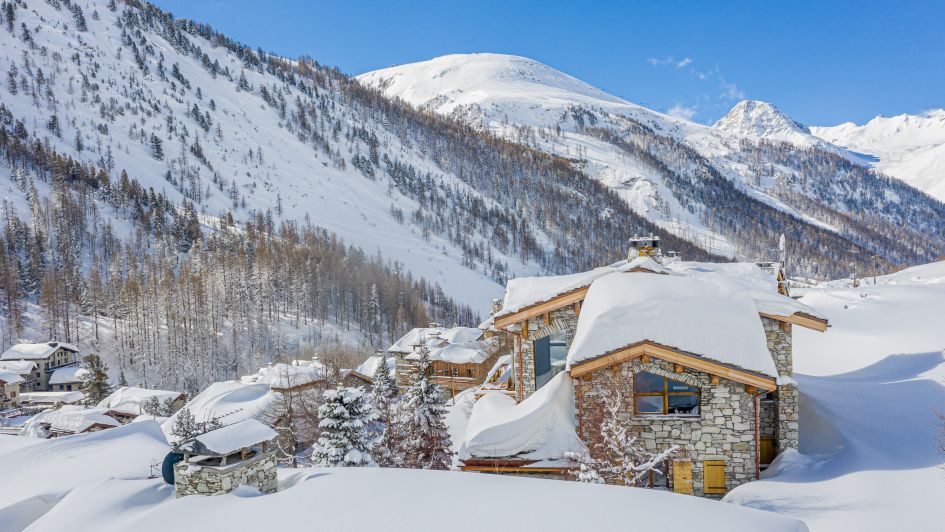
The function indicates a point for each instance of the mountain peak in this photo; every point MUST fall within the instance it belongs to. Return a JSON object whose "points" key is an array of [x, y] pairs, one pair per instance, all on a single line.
{"points": [[755, 118]]}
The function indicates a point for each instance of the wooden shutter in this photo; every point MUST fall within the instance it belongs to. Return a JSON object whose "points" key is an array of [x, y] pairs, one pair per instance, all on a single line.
{"points": [[713, 476], [682, 476]]}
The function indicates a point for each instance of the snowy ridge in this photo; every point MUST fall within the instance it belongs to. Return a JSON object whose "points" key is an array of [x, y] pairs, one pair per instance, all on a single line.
{"points": [[910, 147], [604, 136]]}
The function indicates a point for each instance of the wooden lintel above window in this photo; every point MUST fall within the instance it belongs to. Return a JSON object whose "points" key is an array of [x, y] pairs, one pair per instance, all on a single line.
{"points": [[647, 349]]}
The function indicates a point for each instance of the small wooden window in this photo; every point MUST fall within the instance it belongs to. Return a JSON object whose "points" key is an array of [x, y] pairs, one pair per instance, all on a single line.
{"points": [[654, 395], [713, 476]]}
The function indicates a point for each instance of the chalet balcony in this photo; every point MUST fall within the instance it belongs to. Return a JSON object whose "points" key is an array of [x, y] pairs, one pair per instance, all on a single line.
{"points": [[453, 382]]}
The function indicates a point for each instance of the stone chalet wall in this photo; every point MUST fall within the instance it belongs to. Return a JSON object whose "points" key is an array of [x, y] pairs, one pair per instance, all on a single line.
{"points": [[781, 346], [561, 320], [724, 429], [258, 471]]}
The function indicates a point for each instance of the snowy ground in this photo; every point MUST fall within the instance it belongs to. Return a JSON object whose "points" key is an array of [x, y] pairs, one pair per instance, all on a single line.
{"points": [[870, 389]]}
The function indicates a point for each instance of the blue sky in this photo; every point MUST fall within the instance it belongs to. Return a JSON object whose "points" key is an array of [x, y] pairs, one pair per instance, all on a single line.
{"points": [[821, 62]]}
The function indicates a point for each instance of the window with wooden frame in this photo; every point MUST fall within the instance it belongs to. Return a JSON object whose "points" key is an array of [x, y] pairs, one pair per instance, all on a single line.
{"points": [[657, 395], [713, 476]]}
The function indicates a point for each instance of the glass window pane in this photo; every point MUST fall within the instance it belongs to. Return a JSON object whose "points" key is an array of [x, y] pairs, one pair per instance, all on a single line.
{"points": [[676, 386], [684, 404], [542, 348], [647, 382], [649, 404]]}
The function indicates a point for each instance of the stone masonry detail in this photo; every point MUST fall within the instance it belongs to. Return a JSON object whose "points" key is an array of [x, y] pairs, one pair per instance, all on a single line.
{"points": [[724, 429], [258, 472], [780, 344]]}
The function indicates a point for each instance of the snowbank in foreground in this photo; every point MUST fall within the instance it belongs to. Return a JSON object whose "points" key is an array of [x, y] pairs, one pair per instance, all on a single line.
{"points": [[99, 482], [335, 499]]}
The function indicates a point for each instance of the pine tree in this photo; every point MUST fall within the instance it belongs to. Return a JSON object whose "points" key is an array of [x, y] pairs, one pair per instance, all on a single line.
{"points": [[426, 441], [95, 384], [345, 440], [157, 147], [384, 394]]}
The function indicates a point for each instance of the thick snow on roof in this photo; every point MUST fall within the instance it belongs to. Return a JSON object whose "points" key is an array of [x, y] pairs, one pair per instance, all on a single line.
{"points": [[456, 345], [715, 320], [369, 366], [450, 334], [524, 292], [52, 397], [287, 375], [68, 418], [231, 401], [642, 263], [10, 377], [68, 375], [539, 427], [23, 367], [36, 351], [232, 438], [747, 276], [129, 399]]}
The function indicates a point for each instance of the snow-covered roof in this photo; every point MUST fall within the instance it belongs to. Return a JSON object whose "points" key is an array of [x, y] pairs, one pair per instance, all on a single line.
{"points": [[69, 418], [456, 345], [23, 367], [716, 321], [369, 366], [431, 334], [10, 377], [129, 399], [68, 375], [232, 438], [540, 427], [52, 397], [285, 376], [642, 263], [231, 401], [36, 351], [524, 292]]}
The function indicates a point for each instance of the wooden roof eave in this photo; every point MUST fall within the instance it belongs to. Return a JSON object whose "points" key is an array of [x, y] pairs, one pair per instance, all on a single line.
{"points": [[677, 357], [801, 319], [532, 311]]}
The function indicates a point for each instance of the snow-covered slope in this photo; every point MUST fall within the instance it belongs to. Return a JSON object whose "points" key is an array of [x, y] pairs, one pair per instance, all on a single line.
{"points": [[656, 162], [910, 147], [870, 389]]}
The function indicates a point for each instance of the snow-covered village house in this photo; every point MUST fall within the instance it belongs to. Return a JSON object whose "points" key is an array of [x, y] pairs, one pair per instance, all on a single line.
{"points": [[460, 356], [9, 388], [47, 357], [701, 354]]}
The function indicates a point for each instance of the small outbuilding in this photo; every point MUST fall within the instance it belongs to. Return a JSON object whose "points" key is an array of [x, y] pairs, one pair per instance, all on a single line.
{"points": [[217, 462]]}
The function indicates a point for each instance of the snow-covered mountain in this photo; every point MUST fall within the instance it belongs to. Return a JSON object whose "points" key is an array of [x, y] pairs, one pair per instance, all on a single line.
{"points": [[692, 180], [909, 147], [762, 120]]}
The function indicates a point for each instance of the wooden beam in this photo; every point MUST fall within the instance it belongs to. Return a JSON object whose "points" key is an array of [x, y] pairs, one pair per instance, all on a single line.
{"points": [[804, 320], [563, 300], [646, 358], [547, 318], [750, 390], [676, 357], [577, 308], [525, 329], [677, 368], [714, 379]]}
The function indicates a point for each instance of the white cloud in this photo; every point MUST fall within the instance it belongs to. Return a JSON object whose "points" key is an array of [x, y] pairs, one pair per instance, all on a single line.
{"points": [[731, 91], [682, 111], [670, 61]]}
